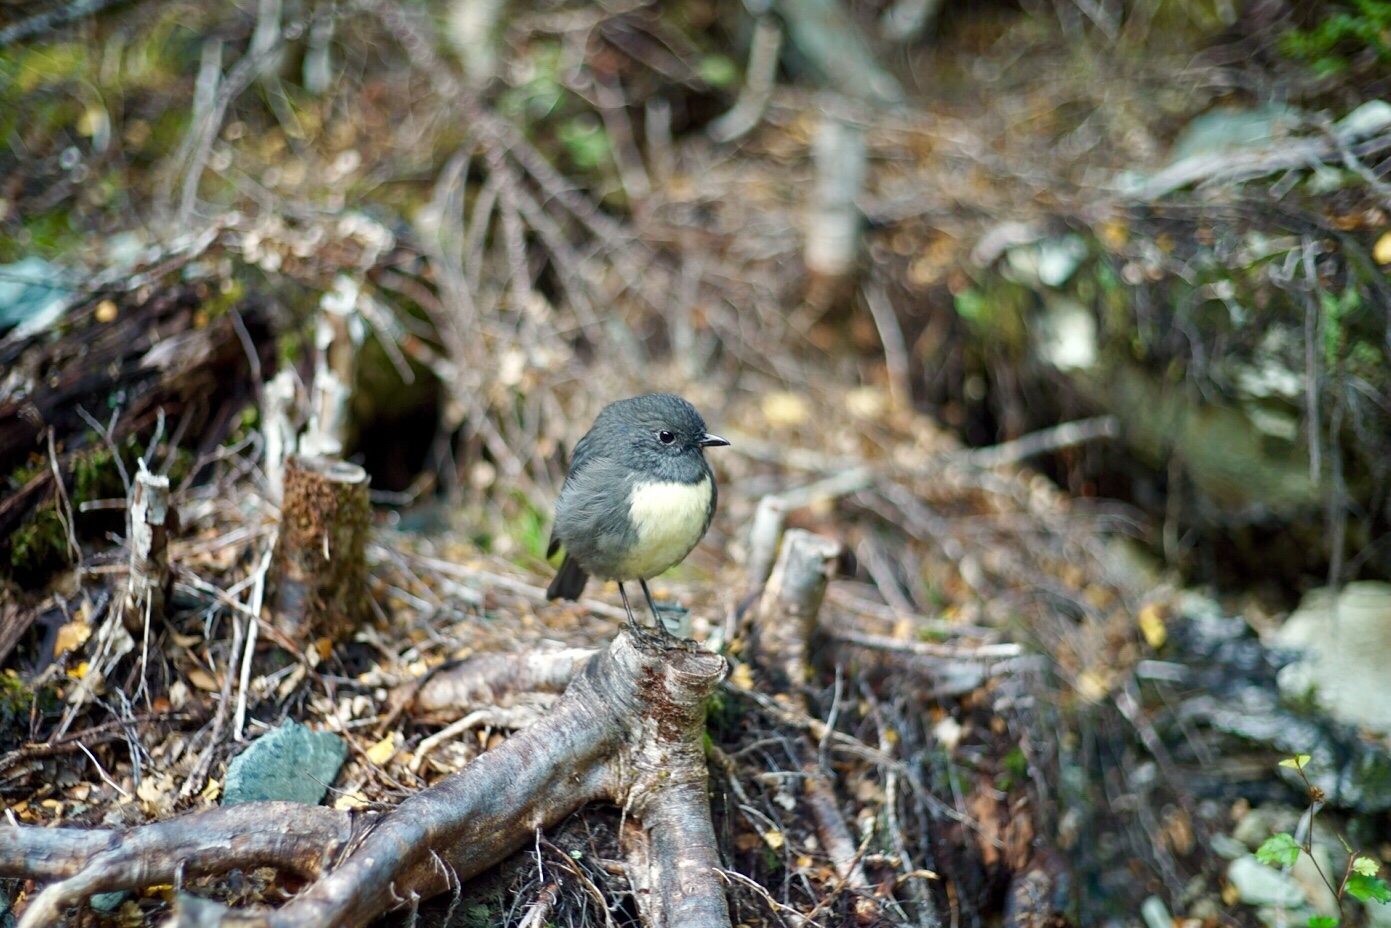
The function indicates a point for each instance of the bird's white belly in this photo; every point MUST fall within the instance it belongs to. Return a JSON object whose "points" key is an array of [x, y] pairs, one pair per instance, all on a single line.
{"points": [[669, 519]]}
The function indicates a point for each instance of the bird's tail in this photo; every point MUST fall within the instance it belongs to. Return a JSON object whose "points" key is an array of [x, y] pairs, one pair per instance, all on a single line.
{"points": [[569, 581]]}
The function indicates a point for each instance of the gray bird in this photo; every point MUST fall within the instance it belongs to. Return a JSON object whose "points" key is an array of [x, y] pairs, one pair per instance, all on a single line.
{"points": [[637, 499]]}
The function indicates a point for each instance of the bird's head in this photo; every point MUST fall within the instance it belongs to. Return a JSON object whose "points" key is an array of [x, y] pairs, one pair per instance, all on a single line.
{"points": [[662, 432]]}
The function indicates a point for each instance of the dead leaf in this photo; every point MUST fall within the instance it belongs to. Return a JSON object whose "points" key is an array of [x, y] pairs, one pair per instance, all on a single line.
{"points": [[1151, 622], [1381, 251], [203, 680], [1093, 686], [784, 409], [347, 802], [866, 402], [741, 676], [71, 636], [383, 750]]}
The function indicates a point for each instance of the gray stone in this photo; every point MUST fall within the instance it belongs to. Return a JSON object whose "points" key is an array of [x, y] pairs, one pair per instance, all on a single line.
{"points": [[1378, 914], [1227, 847], [1365, 121], [1156, 913], [1346, 648], [33, 295], [108, 903], [1229, 129], [1281, 917], [293, 763], [1258, 884], [1316, 892]]}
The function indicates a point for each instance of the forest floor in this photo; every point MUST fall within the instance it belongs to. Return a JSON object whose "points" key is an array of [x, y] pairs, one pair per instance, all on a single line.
{"points": [[990, 703]]}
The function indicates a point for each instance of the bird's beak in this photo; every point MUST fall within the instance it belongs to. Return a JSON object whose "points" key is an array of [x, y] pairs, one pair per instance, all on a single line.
{"points": [[711, 441]]}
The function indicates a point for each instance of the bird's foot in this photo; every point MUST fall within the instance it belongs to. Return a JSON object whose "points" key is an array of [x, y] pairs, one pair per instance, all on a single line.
{"points": [[662, 639], [670, 641], [644, 637]]}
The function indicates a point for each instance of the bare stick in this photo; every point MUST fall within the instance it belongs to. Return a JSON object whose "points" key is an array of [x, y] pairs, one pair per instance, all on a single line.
{"points": [[786, 615], [539, 914], [52, 19], [760, 78], [784, 625], [1051, 439], [833, 224], [500, 679], [829, 37], [764, 535], [820, 797], [895, 349], [278, 400], [151, 522]]}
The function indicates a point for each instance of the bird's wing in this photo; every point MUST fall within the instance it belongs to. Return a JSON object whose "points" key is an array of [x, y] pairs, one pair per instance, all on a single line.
{"points": [[585, 451], [584, 454]]}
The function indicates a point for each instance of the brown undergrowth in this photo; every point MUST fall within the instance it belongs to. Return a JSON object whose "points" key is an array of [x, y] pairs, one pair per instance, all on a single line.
{"points": [[964, 720]]}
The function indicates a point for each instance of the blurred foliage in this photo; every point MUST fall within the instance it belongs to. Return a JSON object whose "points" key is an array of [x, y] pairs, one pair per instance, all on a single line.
{"points": [[1361, 28], [15, 703]]}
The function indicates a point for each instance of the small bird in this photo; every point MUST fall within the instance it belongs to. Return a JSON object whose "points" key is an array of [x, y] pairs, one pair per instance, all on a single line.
{"points": [[637, 499]]}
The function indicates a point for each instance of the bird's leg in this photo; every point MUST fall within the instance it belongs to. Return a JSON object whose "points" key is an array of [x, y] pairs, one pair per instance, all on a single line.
{"points": [[642, 634], [662, 629]]}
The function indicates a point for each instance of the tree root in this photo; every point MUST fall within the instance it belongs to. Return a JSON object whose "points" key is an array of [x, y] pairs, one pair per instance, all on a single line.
{"points": [[629, 729]]}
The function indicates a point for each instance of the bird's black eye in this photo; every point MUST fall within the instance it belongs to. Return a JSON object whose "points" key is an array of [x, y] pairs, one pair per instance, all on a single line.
{"points": [[665, 437]]}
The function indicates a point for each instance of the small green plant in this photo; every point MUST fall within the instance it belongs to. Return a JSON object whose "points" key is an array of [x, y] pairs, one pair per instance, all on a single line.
{"points": [[1360, 878], [1362, 24]]}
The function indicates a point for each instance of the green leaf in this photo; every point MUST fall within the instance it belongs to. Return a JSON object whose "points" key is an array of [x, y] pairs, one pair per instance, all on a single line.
{"points": [[1278, 851], [1296, 762], [1366, 866], [717, 71], [585, 142], [1322, 921], [1368, 888]]}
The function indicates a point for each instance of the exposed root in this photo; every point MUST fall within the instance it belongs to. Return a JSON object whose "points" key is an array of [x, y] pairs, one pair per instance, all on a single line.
{"points": [[629, 729]]}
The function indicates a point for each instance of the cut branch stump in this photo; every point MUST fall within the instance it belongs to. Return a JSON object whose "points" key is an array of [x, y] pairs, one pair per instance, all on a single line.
{"points": [[319, 566]]}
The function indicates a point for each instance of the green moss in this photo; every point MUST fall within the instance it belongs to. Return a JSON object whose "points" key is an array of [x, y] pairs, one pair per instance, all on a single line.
{"points": [[37, 548], [1016, 770], [48, 66], [95, 474], [1337, 310], [541, 93], [20, 476], [997, 309], [289, 347], [48, 235], [16, 702]]}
